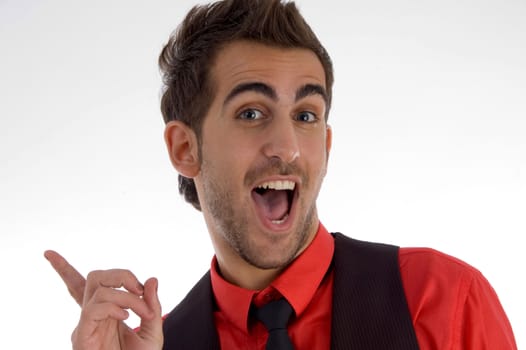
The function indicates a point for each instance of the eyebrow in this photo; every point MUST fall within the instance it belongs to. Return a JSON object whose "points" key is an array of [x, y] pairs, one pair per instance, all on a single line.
{"points": [[261, 88], [268, 91], [312, 89]]}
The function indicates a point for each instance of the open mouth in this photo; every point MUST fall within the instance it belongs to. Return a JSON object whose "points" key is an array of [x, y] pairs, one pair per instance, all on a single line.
{"points": [[274, 200]]}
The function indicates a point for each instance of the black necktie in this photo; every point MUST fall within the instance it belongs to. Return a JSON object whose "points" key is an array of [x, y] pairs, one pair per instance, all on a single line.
{"points": [[275, 316]]}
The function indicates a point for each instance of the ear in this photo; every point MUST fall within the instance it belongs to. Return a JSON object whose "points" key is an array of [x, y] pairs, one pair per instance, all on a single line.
{"points": [[182, 145], [328, 140]]}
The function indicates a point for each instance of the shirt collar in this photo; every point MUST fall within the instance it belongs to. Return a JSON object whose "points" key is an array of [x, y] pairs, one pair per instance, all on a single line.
{"points": [[297, 283]]}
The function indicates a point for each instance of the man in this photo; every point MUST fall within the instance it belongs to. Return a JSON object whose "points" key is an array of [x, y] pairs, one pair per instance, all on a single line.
{"points": [[247, 95]]}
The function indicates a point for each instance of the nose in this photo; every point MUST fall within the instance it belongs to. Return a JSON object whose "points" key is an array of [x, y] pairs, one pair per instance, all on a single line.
{"points": [[281, 140]]}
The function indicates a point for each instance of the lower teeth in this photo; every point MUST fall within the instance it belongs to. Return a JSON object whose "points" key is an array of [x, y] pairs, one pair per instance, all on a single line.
{"points": [[277, 222]]}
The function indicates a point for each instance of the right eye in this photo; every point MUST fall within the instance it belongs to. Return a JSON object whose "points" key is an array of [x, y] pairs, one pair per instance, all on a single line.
{"points": [[250, 114]]}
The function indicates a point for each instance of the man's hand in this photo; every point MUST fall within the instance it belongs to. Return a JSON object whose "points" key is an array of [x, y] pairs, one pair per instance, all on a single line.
{"points": [[104, 298]]}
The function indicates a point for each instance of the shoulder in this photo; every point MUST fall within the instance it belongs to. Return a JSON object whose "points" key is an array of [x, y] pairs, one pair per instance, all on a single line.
{"points": [[431, 263], [452, 303], [432, 278]]}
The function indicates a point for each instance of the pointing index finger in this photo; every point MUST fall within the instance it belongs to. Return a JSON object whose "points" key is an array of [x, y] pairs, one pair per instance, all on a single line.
{"points": [[71, 277]]}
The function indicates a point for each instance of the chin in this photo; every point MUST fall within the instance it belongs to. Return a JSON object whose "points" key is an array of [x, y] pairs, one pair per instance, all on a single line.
{"points": [[276, 252]]}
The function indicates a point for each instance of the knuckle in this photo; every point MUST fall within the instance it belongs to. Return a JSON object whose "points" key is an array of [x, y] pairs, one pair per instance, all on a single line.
{"points": [[94, 275], [127, 274]]}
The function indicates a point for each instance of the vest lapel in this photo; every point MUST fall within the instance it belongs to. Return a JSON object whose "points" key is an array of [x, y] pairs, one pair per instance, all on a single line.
{"points": [[370, 311], [190, 326]]}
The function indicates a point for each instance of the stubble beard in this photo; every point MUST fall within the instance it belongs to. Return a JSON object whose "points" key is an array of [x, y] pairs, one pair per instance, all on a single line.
{"points": [[233, 226]]}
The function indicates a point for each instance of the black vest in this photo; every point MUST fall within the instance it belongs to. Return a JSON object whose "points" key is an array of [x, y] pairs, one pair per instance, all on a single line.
{"points": [[369, 310]]}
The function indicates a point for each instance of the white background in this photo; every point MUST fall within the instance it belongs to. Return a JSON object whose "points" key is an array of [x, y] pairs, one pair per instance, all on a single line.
{"points": [[429, 124]]}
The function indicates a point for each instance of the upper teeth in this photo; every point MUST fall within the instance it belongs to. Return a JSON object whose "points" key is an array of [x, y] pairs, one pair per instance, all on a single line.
{"points": [[278, 185]]}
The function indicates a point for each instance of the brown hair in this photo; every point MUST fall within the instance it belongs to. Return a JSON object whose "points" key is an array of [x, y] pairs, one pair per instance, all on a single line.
{"points": [[187, 58]]}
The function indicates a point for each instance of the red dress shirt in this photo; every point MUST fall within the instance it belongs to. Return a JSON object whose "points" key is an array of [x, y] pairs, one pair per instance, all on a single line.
{"points": [[451, 304]]}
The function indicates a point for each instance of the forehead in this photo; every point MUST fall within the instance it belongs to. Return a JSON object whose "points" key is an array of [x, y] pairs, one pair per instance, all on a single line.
{"points": [[282, 68]]}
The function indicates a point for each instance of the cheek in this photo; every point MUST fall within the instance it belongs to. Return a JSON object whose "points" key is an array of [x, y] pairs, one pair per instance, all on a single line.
{"points": [[314, 151], [228, 157], [239, 147]]}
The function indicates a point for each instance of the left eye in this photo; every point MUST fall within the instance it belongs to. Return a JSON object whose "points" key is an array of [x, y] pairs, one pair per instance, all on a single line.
{"points": [[251, 114], [307, 117]]}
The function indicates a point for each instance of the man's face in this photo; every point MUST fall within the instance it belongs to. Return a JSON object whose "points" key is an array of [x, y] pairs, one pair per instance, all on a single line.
{"points": [[264, 151]]}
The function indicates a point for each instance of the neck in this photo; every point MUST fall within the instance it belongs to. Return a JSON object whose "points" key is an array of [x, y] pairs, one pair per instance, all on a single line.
{"points": [[236, 270], [245, 275]]}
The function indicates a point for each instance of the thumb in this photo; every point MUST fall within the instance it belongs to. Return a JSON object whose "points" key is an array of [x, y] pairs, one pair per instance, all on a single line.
{"points": [[152, 328]]}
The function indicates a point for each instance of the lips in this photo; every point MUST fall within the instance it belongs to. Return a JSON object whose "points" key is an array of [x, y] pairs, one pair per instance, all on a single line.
{"points": [[274, 201]]}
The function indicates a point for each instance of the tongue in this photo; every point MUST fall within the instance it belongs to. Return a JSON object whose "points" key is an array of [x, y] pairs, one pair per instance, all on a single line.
{"points": [[273, 204]]}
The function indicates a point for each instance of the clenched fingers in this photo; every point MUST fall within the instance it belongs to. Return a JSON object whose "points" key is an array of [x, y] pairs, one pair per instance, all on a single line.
{"points": [[152, 328], [115, 278], [108, 306], [122, 299]]}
